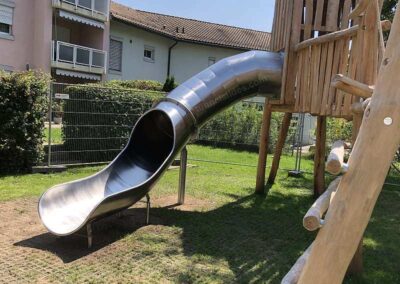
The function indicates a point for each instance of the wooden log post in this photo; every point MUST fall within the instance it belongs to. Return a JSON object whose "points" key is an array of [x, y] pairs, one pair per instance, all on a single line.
{"points": [[351, 209], [263, 151], [367, 74], [279, 147], [319, 158], [335, 162]]}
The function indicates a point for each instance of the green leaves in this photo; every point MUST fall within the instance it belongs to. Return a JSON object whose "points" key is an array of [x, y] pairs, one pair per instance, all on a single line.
{"points": [[23, 108]]}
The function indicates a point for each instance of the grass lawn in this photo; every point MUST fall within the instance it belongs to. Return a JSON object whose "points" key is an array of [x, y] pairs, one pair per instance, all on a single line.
{"points": [[242, 237], [56, 135]]}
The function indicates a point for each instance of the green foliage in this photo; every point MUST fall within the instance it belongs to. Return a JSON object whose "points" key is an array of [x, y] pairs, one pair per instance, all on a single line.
{"points": [[338, 129], [239, 128], [388, 11], [169, 84], [98, 121], [23, 109], [145, 85]]}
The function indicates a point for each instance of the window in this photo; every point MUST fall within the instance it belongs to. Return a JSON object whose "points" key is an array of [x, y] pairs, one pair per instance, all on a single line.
{"points": [[116, 55], [211, 61], [149, 54], [6, 19]]}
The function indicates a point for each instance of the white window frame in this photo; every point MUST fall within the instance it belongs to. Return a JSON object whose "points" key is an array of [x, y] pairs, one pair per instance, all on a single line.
{"points": [[8, 4], [153, 54], [211, 59], [121, 40]]}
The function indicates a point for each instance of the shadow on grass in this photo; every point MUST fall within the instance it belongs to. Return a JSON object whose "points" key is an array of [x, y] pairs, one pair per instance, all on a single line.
{"points": [[105, 232], [260, 237]]}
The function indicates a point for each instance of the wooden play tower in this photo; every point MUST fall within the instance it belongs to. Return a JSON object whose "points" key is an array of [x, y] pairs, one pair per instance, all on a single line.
{"points": [[333, 52]]}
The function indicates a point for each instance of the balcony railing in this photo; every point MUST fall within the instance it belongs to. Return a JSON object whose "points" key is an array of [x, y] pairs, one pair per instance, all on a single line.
{"points": [[79, 57], [93, 7]]}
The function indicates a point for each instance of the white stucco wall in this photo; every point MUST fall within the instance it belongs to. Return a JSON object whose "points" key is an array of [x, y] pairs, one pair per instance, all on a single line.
{"points": [[134, 67], [189, 59]]}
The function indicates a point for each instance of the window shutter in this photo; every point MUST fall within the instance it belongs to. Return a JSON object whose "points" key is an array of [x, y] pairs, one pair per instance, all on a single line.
{"points": [[6, 15], [115, 55]]}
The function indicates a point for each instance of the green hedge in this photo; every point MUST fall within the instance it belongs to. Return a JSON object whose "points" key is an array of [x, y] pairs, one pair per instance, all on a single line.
{"points": [[23, 109], [98, 121], [144, 85], [239, 128]]}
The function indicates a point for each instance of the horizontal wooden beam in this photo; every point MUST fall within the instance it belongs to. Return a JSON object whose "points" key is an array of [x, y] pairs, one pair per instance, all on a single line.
{"points": [[328, 38], [312, 219], [352, 87], [283, 108], [349, 32]]}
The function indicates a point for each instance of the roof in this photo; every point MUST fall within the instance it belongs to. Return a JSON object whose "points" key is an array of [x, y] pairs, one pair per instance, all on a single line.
{"points": [[189, 30]]}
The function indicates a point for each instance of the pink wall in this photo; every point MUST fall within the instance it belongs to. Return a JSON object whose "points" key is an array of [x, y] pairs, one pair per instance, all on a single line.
{"points": [[32, 30], [32, 36]]}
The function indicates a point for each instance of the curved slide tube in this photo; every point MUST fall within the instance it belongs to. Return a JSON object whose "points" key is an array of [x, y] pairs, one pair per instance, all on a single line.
{"points": [[157, 138]]}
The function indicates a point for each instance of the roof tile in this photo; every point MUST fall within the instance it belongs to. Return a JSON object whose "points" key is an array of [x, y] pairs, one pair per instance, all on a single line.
{"points": [[193, 30]]}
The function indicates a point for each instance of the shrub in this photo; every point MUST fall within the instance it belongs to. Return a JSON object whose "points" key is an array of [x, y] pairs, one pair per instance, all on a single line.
{"points": [[23, 109], [169, 84], [239, 128], [146, 85], [338, 129], [98, 121]]}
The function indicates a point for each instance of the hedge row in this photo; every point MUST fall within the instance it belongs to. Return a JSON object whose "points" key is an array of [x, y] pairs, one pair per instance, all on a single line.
{"points": [[238, 128], [144, 85], [98, 121], [23, 109]]}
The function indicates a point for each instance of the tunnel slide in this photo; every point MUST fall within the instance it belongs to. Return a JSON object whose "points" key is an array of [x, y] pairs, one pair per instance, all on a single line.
{"points": [[157, 138]]}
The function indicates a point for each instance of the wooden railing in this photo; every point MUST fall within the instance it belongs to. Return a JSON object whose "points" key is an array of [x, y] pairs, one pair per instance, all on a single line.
{"points": [[318, 61], [281, 24], [319, 44]]}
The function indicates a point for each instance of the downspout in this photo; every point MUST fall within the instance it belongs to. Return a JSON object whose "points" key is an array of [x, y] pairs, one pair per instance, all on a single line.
{"points": [[169, 57]]}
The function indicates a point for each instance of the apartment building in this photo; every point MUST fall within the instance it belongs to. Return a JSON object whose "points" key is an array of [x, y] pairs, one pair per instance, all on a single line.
{"points": [[91, 40], [67, 38]]}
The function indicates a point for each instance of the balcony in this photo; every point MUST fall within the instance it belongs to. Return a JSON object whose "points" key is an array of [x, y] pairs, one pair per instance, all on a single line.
{"points": [[96, 9], [78, 58]]}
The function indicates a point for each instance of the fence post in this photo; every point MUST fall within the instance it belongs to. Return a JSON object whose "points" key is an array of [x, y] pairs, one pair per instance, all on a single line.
{"points": [[182, 177], [50, 120]]}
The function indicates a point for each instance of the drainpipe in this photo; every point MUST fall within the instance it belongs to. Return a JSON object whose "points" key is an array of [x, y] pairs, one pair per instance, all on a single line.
{"points": [[169, 57]]}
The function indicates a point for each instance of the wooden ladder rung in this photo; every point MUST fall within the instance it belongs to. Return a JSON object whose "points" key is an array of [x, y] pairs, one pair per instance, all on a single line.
{"points": [[313, 219], [352, 87]]}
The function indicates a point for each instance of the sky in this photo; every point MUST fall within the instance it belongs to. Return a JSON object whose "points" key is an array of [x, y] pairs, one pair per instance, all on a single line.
{"points": [[251, 14]]}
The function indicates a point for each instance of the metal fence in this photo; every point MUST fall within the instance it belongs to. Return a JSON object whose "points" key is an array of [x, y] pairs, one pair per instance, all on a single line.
{"points": [[86, 129]]}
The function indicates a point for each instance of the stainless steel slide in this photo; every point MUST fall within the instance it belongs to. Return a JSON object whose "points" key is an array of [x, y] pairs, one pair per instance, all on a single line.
{"points": [[157, 138]]}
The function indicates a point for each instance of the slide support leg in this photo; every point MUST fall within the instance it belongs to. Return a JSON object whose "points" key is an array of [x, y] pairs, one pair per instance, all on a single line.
{"points": [[148, 203], [89, 235], [182, 177]]}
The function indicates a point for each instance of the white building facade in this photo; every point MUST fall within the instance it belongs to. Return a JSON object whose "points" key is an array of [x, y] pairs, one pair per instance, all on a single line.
{"points": [[150, 46]]}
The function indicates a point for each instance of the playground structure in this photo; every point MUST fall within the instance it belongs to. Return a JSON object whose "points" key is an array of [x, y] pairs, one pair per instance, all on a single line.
{"points": [[332, 53]]}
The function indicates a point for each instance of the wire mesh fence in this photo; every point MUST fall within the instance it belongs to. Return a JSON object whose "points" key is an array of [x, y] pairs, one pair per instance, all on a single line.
{"points": [[91, 125]]}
